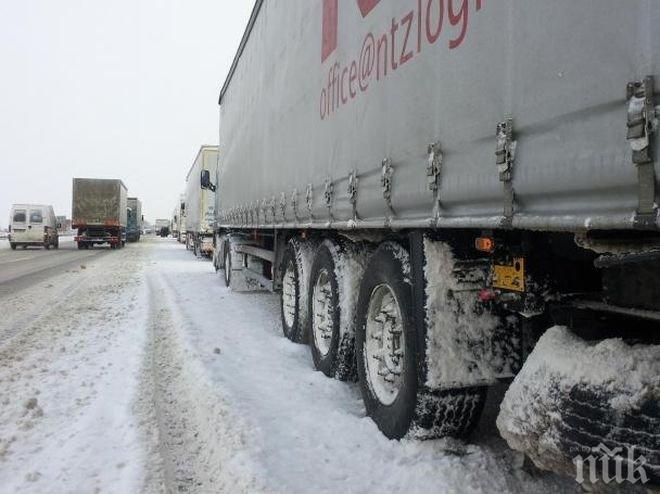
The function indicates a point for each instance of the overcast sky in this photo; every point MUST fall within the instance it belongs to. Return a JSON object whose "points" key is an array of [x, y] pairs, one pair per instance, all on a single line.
{"points": [[123, 89]]}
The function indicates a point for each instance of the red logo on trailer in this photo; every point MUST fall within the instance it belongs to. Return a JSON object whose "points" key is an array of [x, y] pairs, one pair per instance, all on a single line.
{"points": [[331, 21], [389, 47]]}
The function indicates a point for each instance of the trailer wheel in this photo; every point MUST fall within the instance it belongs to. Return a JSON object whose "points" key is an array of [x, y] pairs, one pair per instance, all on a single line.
{"points": [[227, 263], [290, 298], [385, 341], [324, 311]]}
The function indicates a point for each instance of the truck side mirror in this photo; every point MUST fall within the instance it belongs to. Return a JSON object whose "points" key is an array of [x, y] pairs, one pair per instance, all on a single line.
{"points": [[206, 181]]}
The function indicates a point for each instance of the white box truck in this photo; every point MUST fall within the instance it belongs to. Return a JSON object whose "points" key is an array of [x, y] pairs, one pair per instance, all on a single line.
{"points": [[200, 201]]}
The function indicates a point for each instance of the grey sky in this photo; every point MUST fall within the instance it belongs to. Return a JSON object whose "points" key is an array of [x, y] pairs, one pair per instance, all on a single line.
{"points": [[124, 89]]}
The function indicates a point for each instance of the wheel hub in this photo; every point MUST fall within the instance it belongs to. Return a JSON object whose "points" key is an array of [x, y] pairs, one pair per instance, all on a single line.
{"points": [[384, 346]]}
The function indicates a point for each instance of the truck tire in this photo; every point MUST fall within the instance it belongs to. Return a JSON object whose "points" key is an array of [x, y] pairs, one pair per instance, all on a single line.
{"points": [[588, 419], [226, 265], [47, 245], [334, 282], [399, 407], [12, 245], [324, 310], [57, 243], [385, 341], [293, 326]]}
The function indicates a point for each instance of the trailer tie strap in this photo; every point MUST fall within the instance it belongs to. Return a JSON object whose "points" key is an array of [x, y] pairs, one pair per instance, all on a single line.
{"points": [[642, 125], [505, 154]]}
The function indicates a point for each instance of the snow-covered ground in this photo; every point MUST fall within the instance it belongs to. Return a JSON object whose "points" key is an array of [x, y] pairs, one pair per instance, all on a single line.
{"points": [[141, 372]]}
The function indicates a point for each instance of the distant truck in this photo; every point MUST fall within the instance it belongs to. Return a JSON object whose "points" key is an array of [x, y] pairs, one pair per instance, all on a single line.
{"points": [[162, 227], [179, 220], [200, 201], [33, 224], [99, 212], [134, 219]]}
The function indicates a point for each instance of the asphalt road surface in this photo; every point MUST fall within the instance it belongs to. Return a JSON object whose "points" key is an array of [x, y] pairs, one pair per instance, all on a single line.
{"points": [[24, 267]]}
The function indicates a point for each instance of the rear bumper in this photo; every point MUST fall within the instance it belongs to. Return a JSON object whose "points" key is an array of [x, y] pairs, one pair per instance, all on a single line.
{"points": [[97, 240]]}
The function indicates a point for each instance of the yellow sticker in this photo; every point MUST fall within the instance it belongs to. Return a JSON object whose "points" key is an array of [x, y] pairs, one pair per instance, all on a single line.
{"points": [[510, 277]]}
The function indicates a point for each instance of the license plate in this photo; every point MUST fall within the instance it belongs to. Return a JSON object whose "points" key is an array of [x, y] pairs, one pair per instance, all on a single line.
{"points": [[510, 276]]}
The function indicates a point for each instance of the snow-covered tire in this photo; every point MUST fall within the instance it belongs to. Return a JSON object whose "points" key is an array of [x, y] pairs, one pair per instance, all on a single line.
{"points": [[414, 411], [588, 420], [337, 269], [295, 268], [386, 284], [324, 310], [226, 264], [576, 397], [449, 413]]}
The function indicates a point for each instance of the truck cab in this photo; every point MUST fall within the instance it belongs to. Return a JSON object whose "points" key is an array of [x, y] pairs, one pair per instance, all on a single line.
{"points": [[33, 224]]}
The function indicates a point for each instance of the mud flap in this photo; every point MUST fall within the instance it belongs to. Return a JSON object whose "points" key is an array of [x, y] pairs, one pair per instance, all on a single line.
{"points": [[451, 392]]}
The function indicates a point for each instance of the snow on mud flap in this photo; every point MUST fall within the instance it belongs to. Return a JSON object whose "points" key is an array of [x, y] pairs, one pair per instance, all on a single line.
{"points": [[590, 404]]}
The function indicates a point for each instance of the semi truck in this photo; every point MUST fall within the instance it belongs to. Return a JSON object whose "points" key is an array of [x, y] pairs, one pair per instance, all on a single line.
{"points": [[179, 220], [134, 219], [200, 201], [99, 212], [162, 227], [436, 189]]}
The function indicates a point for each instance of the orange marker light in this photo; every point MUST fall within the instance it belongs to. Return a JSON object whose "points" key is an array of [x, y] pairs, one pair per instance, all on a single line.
{"points": [[484, 244]]}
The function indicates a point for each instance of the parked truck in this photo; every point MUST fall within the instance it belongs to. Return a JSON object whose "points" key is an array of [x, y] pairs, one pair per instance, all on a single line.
{"points": [[33, 225], [162, 227], [179, 220], [200, 201], [99, 212], [432, 185], [134, 219]]}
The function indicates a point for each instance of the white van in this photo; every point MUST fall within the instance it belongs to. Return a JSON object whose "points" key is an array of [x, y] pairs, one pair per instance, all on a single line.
{"points": [[33, 224]]}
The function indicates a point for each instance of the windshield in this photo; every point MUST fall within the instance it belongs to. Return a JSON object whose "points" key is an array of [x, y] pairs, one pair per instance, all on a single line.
{"points": [[19, 216], [35, 216]]}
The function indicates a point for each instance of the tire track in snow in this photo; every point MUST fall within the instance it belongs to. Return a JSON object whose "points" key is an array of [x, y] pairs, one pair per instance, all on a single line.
{"points": [[201, 443]]}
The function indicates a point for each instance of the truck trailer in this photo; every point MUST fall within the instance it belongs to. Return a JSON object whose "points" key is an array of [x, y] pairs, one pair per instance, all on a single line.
{"points": [[134, 220], [431, 186], [99, 212], [162, 227], [200, 201], [179, 219]]}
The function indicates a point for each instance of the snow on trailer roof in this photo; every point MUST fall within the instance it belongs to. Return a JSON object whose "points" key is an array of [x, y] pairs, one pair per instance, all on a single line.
{"points": [[205, 147], [241, 47], [26, 205], [104, 179]]}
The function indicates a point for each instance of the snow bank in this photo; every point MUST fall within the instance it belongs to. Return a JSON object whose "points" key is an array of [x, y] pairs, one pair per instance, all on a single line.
{"points": [[460, 350], [530, 418], [308, 433]]}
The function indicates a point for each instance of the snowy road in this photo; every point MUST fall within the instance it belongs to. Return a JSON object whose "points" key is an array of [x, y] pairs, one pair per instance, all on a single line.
{"points": [[23, 267], [138, 371]]}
